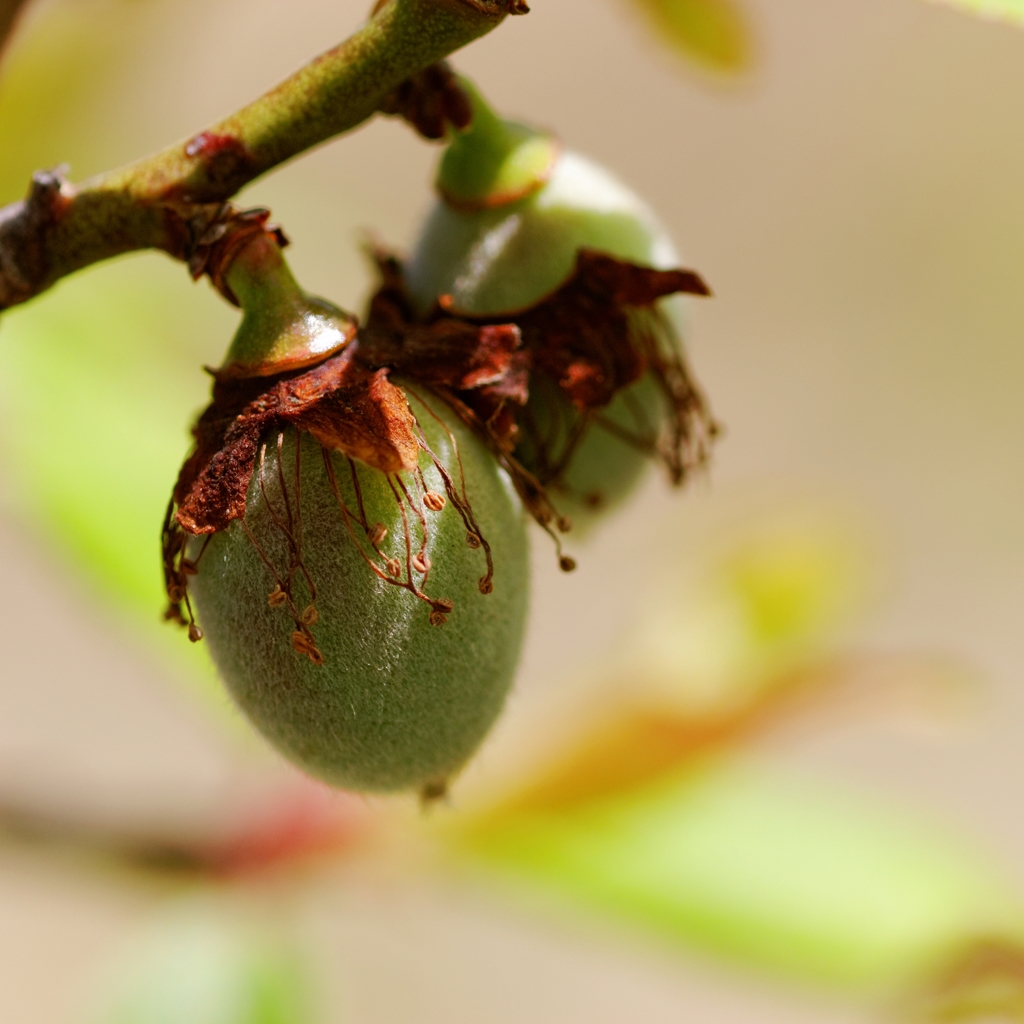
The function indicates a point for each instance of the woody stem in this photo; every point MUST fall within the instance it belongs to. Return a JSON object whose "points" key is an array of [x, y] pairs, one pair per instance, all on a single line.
{"points": [[9, 11], [60, 228]]}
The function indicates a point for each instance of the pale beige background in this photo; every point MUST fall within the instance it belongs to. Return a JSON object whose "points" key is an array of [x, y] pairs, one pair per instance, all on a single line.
{"points": [[857, 207]]}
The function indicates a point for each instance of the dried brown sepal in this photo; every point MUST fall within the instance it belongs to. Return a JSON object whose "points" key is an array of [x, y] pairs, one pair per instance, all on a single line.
{"points": [[216, 233], [346, 407], [585, 336], [431, 102], [447, 351]]}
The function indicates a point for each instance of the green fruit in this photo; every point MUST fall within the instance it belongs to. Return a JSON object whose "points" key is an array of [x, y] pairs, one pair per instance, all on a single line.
{"points": [[397, 702], [364, 590], [499, 253]]}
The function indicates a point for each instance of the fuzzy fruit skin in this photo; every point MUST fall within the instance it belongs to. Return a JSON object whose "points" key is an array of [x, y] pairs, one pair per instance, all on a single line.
{"points": [[398, 702], [500, 260]]}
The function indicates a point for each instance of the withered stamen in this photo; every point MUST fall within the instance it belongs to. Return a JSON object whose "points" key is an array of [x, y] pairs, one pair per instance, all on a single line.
{"points": [[421, 563], [357, 487], [295, 554], [461, 502], [406, 534], [280, 476], [281, 585], [394, 566], [303, 644]]}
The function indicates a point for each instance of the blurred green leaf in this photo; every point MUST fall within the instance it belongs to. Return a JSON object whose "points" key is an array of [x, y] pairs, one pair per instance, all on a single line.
{"points": [[198, 967], [713, 33], [99, 381], [1011, 11], [776, 872]]}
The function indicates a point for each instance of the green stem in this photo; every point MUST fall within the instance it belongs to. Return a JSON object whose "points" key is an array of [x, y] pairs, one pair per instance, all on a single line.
{"points": [[494, 162], [61, 228], [283, 328]]}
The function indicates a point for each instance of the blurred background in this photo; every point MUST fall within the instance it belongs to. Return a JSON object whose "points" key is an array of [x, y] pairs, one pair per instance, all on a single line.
{"points": [[763, 760]]}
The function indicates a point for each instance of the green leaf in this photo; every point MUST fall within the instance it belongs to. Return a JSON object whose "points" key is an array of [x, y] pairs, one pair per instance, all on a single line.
{"points": [[100, 379], [770, 870], [1011, 11], [198, 966], [713, 33]]}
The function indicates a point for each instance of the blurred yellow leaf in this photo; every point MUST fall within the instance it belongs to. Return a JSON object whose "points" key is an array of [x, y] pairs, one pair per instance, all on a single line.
{"points": [[771, 603], [58, 74], [711, 32], [995, 10], [983, 982], [634, 745]]}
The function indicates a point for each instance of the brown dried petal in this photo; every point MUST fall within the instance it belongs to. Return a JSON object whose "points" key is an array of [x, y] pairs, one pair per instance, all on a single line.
{"points": [[430, 101], [447, 352], [369, 420], [346, 407], [627, 284]]}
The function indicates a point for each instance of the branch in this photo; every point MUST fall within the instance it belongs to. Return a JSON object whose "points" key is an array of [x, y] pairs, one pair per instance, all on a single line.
{"points": [[9, 11], [165, 201]]}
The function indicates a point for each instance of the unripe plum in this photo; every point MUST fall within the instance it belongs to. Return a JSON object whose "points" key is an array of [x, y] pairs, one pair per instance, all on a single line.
{"points": [[499, 259], [403, 695]]}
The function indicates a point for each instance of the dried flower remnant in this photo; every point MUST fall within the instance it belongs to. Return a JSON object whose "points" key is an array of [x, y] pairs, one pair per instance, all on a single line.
{"points": [[589, 341]]}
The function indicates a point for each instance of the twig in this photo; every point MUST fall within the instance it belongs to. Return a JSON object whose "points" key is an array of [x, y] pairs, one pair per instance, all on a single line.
{"points": [[161, 202], [9, 11]]}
